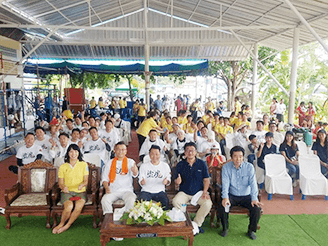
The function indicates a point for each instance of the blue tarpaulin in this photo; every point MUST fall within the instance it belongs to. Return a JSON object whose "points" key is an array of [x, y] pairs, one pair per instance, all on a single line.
{"points": [[137, 68]]}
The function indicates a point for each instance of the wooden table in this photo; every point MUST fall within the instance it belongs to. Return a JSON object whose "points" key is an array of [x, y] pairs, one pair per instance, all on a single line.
{"points": [[110, 229]]}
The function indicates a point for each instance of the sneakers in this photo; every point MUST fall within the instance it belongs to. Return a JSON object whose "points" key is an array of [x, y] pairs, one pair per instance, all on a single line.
{"points": [[251, 235], [224, 233], [201, 230]]}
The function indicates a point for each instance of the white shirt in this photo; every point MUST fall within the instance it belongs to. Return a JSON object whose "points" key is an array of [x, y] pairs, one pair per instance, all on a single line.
{"points": [[45, 146], [240, 139], [154, 176], [260, 135], [207, 145], [122, 183], [96, 147], [179, 145], [144, 150], [278, 138], [59, 151], [28, 155], [111, 137], [67, 130]]}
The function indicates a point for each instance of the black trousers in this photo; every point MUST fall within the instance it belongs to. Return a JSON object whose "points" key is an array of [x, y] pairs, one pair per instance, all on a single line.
{"points": [[141, 140], [158, 197], [243, 201]]}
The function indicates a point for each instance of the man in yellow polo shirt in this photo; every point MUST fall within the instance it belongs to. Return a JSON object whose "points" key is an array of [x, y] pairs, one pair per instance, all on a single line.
{"points": [[146, 126], [93, 103], [237, 105]]}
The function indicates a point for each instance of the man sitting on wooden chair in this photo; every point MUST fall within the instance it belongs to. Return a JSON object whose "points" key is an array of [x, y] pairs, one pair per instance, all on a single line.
{"points": [[239, 188], [117, 179]]}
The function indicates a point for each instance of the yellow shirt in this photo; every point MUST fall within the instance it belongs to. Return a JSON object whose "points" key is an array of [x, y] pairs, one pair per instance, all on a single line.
{"points": [[146, 126], [101, 104], [217, 128], [122, 103], [188, 128], [93, 103], [73, 176], [237, 107], [239, 123], [249, 112], [182, 120], [142, 110], [234, 120], [210, 106], [224, 130], [168, 126], [266, 127]]}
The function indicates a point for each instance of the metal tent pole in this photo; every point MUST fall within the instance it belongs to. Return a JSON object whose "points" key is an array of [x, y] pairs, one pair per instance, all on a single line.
{"points": [[254, 78], [293, 77]]}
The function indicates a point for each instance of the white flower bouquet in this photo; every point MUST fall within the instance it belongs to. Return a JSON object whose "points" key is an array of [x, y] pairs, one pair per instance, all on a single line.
{"points": [[146, 212]]}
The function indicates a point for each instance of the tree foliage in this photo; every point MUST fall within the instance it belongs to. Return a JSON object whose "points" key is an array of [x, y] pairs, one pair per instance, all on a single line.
{"points": [[235, 73]]}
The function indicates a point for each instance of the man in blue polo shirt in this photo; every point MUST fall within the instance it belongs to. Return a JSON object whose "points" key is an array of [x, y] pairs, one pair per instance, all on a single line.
{"points": [[193, 177], [239, 188]]}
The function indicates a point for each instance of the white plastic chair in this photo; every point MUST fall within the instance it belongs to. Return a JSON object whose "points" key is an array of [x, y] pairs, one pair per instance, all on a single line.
{"points": [[302, 148], [312, 181], [92, 159], [277, 180]]}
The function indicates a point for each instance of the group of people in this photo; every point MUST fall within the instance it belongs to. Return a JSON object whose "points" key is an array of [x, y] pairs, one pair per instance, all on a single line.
{"points": [[192, 147]]}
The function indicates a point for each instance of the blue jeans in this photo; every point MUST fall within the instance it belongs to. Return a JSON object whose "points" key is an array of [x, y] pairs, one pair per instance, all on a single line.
{"points": [[293, 170], [222, 144], [251, 158], [324, 170], [158, 197]]}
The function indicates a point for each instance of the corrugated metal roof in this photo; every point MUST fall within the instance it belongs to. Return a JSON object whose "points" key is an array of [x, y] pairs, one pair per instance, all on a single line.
{"points": [[110, 38]]}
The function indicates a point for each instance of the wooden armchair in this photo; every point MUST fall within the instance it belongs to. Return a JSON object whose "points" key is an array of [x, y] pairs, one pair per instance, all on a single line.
{"points": [[90, 207], [234, 209], [31, 194]]}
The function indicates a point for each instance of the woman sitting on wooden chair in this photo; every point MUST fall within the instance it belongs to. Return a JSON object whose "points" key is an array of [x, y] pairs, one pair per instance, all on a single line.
{"points": [[72, 180]]}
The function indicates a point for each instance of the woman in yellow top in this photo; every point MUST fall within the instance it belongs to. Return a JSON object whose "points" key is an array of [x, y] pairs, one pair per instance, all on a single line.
{"points": [[182, 119], [72, 180], [142, 111], [168, 124], [242, 120], [189, 128], [146, 126]]}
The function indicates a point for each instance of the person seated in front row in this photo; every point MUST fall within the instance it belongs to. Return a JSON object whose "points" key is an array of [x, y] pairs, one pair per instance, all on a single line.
{"points": [[290, 151], [72, 179], [152, 140], [193, 178], [239, 188], [117, 180], [266, 148], [27, 153], [319, 148], [214, 159], [153, 177]]}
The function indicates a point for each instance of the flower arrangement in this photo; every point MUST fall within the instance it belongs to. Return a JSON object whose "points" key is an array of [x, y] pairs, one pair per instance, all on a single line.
{"points": [[146, 212]]}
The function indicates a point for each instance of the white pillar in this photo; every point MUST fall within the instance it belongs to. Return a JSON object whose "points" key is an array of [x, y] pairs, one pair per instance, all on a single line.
{"points": [[196, 88], [147, 76], [254, 78], [293, 77]]}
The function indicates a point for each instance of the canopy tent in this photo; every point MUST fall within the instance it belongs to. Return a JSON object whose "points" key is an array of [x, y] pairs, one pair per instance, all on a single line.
{"points": [[125, 87], [137, 68]]}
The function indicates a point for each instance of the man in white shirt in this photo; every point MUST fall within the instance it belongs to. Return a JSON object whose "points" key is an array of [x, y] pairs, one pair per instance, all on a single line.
{"points": [[96, 145], [43, 141], [27, 153], [179, 143], [280, 110], [260, 133], [205, 143], [61, 149], [152, 140], [109, 136], [153, 177], [278, 137], [69, 127], [117, 179]]}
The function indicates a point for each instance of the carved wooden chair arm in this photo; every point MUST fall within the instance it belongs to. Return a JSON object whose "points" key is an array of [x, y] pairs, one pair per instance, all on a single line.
{"points": [[12, 193]]}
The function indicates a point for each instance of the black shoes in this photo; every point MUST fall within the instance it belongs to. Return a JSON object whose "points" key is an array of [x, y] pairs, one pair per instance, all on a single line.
{"points": [[201, 230], [224, 233], [251, 235]]}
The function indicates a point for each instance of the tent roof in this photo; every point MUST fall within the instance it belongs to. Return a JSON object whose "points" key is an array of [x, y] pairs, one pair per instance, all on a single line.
{"points": [[137, 68], [174, 29], [125, 87]]}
